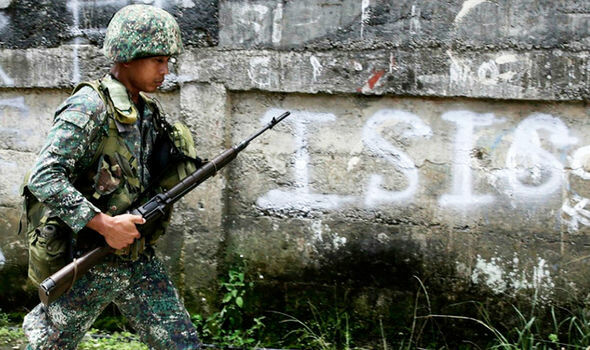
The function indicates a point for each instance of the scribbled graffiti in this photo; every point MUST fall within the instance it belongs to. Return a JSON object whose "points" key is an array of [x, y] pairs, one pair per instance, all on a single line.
{"points": [[251, 20], [576, 206], [260, 72], [317, 68], [506, 69]]}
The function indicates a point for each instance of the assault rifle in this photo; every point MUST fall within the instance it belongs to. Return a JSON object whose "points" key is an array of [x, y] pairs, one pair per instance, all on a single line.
{"points": [[61, 281]]}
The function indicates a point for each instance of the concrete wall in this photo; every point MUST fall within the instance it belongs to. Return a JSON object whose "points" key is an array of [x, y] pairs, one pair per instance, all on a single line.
{"points": [[442, 139]]}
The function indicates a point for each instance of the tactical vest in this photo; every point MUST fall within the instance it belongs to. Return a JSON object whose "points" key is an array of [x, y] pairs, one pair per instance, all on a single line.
{"points": [[111, 183]]}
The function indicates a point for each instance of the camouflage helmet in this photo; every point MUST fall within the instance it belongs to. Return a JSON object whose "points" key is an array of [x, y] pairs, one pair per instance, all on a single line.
{"points": [[137, 31]]}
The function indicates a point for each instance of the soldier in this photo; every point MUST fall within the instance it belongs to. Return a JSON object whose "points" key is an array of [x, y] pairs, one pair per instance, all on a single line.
{"points": [[96, 161]]}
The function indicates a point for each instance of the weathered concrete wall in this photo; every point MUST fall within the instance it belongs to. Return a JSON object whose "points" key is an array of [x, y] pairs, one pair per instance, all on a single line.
{"points": [[443, 139]]}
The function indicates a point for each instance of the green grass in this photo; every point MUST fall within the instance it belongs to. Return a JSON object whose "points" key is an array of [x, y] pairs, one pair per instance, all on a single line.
{"points": [[115, 341], [12, 336], [552, 328]]}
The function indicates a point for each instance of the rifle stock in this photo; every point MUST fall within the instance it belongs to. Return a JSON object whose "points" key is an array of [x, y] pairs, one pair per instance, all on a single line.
{"points": [[61, 281]]}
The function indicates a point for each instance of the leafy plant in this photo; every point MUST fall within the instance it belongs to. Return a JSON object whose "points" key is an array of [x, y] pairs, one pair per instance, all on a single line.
{"points": [[4, 319], [11, 336], [228, 326]]}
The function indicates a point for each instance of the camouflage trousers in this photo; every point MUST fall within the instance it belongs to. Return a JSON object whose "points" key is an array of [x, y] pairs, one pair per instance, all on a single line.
{"points": [[141, 290]]}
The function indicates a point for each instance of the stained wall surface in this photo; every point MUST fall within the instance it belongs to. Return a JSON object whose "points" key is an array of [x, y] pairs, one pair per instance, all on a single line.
{"points": [[446, 140]]}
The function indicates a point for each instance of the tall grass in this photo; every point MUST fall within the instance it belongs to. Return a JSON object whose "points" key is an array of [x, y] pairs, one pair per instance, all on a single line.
{"points": [[529, 327]]}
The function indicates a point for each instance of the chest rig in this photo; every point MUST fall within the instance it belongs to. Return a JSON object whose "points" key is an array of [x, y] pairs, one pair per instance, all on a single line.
{"points": [[114, 180]]}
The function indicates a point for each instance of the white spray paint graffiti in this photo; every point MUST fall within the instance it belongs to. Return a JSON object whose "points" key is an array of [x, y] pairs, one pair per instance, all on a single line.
{"points": [[5, 78], [458, 72], [3, 18], [580, 162], [379, 146], [574, 209], [365, 15], [157, 3], [333, 240], [317, 67], [251, 18], [531, 170], [187, 4], [74, 7], [415, 26], [301, 197], [14, 135], [259, 71], [3, 21], [392, 64], [488, 72], [503, 278], [277, 26], [505, 68], [574, 212], [462, 190], [17, 102], [467, 6]]}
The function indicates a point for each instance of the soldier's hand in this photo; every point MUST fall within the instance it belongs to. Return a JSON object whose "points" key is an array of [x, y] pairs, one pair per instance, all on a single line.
{"points": [[118, 231]]}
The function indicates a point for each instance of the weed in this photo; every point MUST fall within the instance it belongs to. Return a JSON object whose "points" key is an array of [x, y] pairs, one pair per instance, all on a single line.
{"points": [[94, 339], [228, 326], [325, 331], [4, 319], [11, 336]]}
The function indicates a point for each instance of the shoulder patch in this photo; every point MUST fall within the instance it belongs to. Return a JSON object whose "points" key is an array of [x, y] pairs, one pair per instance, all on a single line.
{"points": [[81, 108], [74, 117]]}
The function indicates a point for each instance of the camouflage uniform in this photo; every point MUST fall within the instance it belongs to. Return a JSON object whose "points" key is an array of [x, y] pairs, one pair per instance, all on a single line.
{"points": [[141, 289]]}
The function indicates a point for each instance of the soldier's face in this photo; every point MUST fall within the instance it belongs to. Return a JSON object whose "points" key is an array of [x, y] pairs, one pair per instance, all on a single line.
{"points": [[147, 74]]}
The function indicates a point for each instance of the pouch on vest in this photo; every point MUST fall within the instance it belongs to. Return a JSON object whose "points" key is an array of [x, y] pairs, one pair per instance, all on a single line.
{"points": [[49, 240], [112, 182], [49, 250]]}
